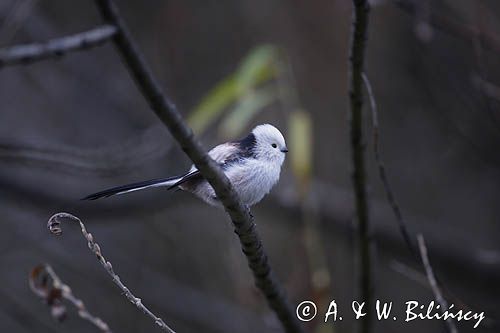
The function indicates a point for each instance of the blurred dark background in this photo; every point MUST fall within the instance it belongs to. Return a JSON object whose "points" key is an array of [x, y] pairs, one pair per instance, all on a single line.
{"points": [[72, 126]]}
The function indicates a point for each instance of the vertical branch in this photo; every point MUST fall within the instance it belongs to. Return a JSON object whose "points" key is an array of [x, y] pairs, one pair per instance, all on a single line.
{"points": [[356, 59]]}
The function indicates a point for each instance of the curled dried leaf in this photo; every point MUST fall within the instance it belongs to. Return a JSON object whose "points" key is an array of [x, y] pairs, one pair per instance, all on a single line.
{"points": [[46, 285], [54, 223], [54, 226], [37, 281], [54, 296]]}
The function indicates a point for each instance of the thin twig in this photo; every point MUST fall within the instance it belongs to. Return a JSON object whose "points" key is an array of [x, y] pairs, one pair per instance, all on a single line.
{"points": [[410, 273], [433, 282], [357, 52], [45, 283], [169, 115], [25, 54], [488, 88], [421, 278], [403, 227], [54, 225]]}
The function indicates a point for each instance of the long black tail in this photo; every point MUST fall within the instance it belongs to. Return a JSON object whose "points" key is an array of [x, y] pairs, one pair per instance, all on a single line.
{"points": [[132, 187]]}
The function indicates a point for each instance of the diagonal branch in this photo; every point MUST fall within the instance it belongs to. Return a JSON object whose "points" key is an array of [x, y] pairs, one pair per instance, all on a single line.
{"points": [[29, 53], [403, 226], [433, 282], [391, 198], [357, 53], [54, 225], [169, 115]]}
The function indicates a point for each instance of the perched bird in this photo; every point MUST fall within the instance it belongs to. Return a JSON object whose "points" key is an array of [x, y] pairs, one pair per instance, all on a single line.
{"points": [[252, 164]]}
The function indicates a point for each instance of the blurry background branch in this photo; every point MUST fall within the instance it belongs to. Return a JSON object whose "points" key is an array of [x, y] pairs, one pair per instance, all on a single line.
{"points": [[433, 282], [403, 226], [150, 144], [452, 26], [240, 215], [54, 225], [356, 60], [25, 54], [47, 285]]}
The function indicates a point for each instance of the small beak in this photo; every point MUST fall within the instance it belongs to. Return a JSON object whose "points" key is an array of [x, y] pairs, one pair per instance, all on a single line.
{"points": [[284, 150]]}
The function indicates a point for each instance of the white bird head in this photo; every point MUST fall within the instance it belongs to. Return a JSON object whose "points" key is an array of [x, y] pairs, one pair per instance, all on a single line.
{"points": [[269, 143]]}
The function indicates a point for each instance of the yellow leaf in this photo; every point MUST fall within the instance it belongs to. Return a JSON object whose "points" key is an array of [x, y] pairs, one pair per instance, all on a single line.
{"points": [[257, 67], [213, 104], [301, 149]]}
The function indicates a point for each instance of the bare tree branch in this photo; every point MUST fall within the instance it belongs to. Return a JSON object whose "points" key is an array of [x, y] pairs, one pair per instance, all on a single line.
{"points": [[54, 225], [240, 215], [357, 52], [46, 284], [410, 273], [433, 282], [29, 53], [403, 227], [488, 88]]}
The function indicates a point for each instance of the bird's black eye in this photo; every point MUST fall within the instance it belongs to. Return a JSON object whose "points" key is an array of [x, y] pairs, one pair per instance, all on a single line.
{"points": [[274, 145]]}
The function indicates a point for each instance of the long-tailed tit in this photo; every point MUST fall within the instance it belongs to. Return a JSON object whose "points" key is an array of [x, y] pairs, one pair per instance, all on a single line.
{"points": [[252, 164]]}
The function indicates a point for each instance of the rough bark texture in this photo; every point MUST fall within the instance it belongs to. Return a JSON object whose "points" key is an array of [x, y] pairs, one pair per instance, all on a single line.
{"points": [[240, 215], [358, 38]]}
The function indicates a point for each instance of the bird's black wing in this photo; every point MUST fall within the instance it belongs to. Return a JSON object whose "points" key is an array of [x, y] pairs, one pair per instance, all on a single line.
{"points": [[225, 155], [192, 175]]}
